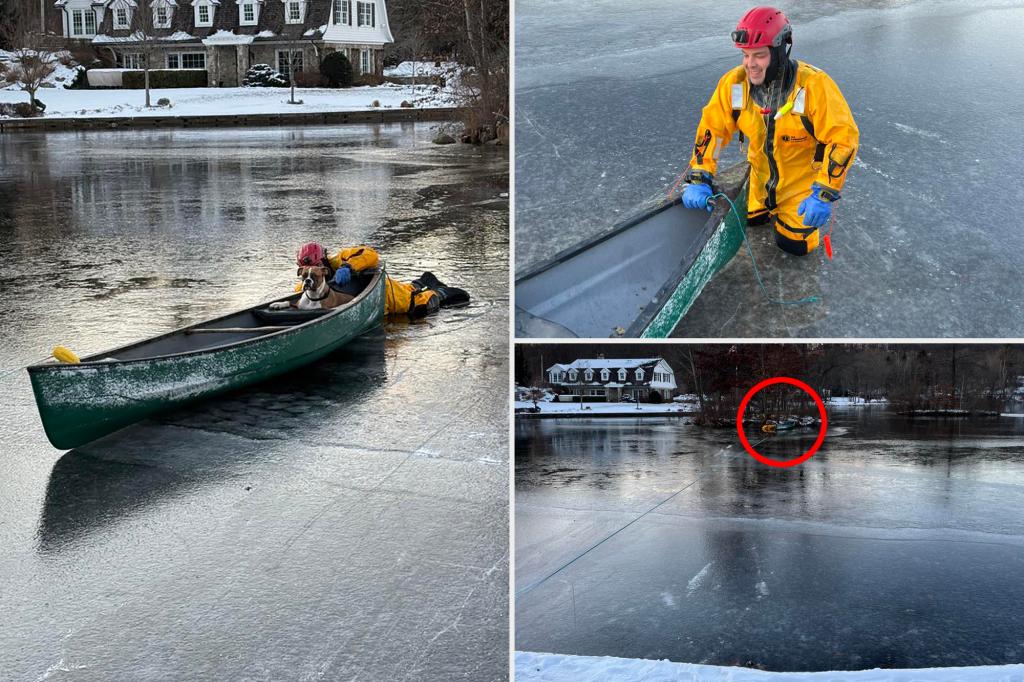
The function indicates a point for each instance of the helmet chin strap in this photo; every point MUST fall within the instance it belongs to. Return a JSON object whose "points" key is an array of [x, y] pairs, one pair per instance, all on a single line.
{"points": [[779, 63]]}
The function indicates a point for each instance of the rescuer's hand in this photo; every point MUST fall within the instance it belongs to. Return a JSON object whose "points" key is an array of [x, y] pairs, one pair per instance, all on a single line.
{"points": [[815, 210], [696, 196]]}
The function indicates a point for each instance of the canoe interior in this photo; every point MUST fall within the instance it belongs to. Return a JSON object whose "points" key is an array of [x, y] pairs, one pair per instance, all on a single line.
{"points": [[616, 284], [252, 323]]}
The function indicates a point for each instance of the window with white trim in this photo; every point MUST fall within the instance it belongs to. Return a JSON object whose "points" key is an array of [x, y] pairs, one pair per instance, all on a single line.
{"points": [[131, 60], [161, 15], [639, 374], [366, 12], [289, 62], [573, 374], [589, 375], [193, 60], [121, 17], [365, 61], [83, 22], [293, 12], [622, 374], [342, 12], [204, 15], [247, 17], [605, 374], [173, 61]]}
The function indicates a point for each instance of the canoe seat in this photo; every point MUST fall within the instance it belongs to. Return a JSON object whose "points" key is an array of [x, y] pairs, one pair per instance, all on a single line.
{"points": [[287, 316]]}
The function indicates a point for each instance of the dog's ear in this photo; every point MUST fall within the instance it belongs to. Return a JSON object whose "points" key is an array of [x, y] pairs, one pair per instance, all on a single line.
{"points": [[298, 273]]}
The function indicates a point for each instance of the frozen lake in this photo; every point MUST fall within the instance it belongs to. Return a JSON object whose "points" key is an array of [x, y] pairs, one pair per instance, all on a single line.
{"points": [[900, 544], [608, 98], [347, 521]]}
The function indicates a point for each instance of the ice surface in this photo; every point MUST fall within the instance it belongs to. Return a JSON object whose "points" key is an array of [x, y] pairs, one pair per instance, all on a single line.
{"points": [[609, 94], [345, 521], [897, 545]]}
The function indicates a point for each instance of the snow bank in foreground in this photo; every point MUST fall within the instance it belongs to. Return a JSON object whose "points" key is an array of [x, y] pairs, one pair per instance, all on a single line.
{"points": [[536, 667]]}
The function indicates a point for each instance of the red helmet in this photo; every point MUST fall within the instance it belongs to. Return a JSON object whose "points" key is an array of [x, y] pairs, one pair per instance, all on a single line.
{"points": [[310, 253], [763, 27]]}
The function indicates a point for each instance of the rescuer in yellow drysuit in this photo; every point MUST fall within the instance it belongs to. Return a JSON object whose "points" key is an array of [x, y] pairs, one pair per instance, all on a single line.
{"points": [[422, 297], [802, 137]]}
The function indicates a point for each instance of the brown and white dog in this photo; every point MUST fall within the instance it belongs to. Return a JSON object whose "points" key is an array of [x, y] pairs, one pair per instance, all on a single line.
{"points": [[316, 292]]}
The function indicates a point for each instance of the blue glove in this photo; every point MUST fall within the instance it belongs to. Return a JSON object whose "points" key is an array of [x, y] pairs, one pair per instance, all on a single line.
{"points": [[343, 275], [815, 210], [696, 195]]}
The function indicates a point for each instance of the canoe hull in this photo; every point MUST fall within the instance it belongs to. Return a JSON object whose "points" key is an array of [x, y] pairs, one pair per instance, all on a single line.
{"points": [[640, 278], [80, 403]]}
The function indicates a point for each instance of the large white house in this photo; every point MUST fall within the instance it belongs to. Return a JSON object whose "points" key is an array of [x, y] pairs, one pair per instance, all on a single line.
{"points": [[614, 379], [226, 37]]}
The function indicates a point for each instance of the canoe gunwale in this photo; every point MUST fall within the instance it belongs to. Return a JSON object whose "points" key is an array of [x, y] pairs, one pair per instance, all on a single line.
{"points": [[94, 361]]}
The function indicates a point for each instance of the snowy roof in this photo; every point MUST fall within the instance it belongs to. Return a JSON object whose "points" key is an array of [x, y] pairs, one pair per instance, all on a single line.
{"points": [[223, 37], [601, 363], [266, 34]]}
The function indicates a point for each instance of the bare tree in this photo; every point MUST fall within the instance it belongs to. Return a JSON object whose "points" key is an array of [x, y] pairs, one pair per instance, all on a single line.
{"points": [[32, 54], [148, 24]]}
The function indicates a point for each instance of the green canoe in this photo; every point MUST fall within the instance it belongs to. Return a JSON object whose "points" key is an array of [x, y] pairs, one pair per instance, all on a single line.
{"points": [[81, 402], [641, 277]]}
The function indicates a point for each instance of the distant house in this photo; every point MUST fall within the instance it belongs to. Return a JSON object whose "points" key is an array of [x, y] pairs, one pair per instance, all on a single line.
{"points": [[226, 37], [614, 379]]}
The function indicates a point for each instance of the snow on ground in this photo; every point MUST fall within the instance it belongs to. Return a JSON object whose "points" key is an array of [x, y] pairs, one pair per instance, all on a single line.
{"points": [[408, 69], [851, 401], [62, 76], [227, 101], [625, 409], [538, 667]]}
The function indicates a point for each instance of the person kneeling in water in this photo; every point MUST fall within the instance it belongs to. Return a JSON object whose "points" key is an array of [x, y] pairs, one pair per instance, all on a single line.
{"points": [[424, 295]]}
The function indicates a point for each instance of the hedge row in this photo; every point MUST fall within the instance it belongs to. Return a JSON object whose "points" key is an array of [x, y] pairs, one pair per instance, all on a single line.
{"points": [[165, 78]]}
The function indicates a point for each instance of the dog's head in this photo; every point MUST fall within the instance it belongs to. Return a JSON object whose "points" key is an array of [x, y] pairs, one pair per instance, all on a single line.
{"points": [[313, 277]]}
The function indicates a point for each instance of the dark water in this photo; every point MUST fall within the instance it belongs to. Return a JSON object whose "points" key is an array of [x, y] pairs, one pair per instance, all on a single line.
{"points": [[923, 246], [900, 544], [347, 521]]}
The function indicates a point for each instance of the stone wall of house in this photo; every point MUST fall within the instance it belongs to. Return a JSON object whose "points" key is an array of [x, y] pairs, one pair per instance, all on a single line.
{"points": [[226, 65]]}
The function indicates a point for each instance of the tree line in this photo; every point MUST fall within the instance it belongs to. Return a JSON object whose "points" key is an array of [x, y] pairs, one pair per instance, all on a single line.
{"points": [[912, 377]]}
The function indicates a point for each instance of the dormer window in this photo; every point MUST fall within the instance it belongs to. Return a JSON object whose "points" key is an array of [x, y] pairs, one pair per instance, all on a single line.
{"points": [[83, 23], [366, 13], [622, 374], [342, 11], [605, 374], [589, 375], [573, 374], [248, 12], [122, 17], [639, 374], [294, 11], [204, 12], [162, 12]]}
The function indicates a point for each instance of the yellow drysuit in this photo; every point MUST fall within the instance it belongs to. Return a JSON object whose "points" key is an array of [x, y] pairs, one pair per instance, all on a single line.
{"points": [[399, 298], [815, 141]]}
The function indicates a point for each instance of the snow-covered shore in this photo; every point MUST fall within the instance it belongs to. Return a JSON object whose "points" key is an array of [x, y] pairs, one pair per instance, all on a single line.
{"points": [[115, 103], [605, 409], [61, 103], [539, 667]]}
